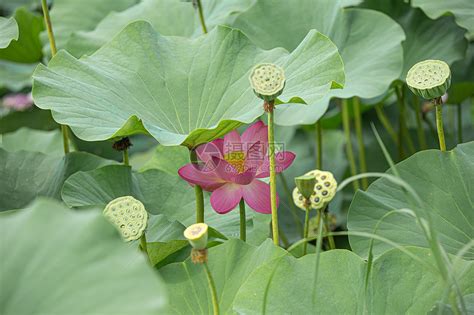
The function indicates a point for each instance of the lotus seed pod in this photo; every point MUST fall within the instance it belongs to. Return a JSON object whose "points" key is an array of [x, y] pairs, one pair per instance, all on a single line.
{"points": [[429, 79], [197, 235], [267, 81], [305, 185], [128, 215], [298, 199], [324, 189]]}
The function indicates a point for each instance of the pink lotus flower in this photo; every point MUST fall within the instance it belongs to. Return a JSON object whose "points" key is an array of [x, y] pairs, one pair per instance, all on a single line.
{"points": [[18, 101], [231, 168]]}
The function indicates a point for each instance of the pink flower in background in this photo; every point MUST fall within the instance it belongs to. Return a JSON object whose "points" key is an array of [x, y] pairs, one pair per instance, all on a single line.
{"points": [[18, 102], [231, 168]]}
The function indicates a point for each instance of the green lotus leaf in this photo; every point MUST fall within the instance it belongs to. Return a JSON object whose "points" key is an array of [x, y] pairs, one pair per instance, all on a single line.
{"points": [[441, 39], [371, 61], [168, 17], [81, 267], [463, 78], [230, 264], [180, 91], [15, 76], [8, 31], [69, 16], [398, 285], [444, 183], [27, 175], [47, 142], [34, 118], [19, 59], [161, 193], [463, 11], [164, 238], [27, 49]]}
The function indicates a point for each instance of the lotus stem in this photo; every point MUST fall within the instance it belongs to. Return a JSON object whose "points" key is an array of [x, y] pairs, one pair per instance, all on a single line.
{"points": [[459, 122], [319, 145], [386, 123], [198, 192], [419, 123], [332, 244], [349, 151], [125, 157], [306, 229], [52, 44], [403, 133], [293, 209], [212, 288], [269, 108], [319, 244], [243, 228], [360, 141], [143, 245], [198, 4], [439, 123]]}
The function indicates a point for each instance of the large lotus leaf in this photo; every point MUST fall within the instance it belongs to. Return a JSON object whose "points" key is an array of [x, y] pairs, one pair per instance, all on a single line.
{"points": [[445, 184], [161, 193], [463, 11], [181, 91], [462, 86], [398, 285], [371, 61], [19, 59], [69, 16], [48, 142], [164, 238], [426, 39], [59, 261], [27, 49], [230, 265], [168, 17], [14, 75], [34, 118], [27, 175], [8, 31]]}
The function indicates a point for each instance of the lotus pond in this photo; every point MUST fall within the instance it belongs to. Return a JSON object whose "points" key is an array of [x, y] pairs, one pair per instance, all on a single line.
{"points": [[236, 157]]}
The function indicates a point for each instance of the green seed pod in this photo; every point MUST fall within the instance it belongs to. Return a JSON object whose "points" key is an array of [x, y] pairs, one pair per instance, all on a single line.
{"points": [[197, 235], [305, 185], [128, 215], [324, 189], [267, 81], [429, 79]]}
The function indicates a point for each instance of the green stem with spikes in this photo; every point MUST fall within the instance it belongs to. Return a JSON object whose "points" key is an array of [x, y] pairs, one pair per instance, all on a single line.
{"points": [[243, 227], [212, 288], [201, 16], [269, 107], [198, 192], [439, 123], [360, 141], [52, 44], [347, 132]]}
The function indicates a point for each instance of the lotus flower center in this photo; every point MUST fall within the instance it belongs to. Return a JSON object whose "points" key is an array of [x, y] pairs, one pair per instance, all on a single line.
{"points": [[237, 160]]}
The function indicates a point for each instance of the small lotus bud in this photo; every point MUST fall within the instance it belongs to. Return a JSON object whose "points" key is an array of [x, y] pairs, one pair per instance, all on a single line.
{"points": [[305, 185], [267, 81], [429, 79], [129, 217], [197, 235]]}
